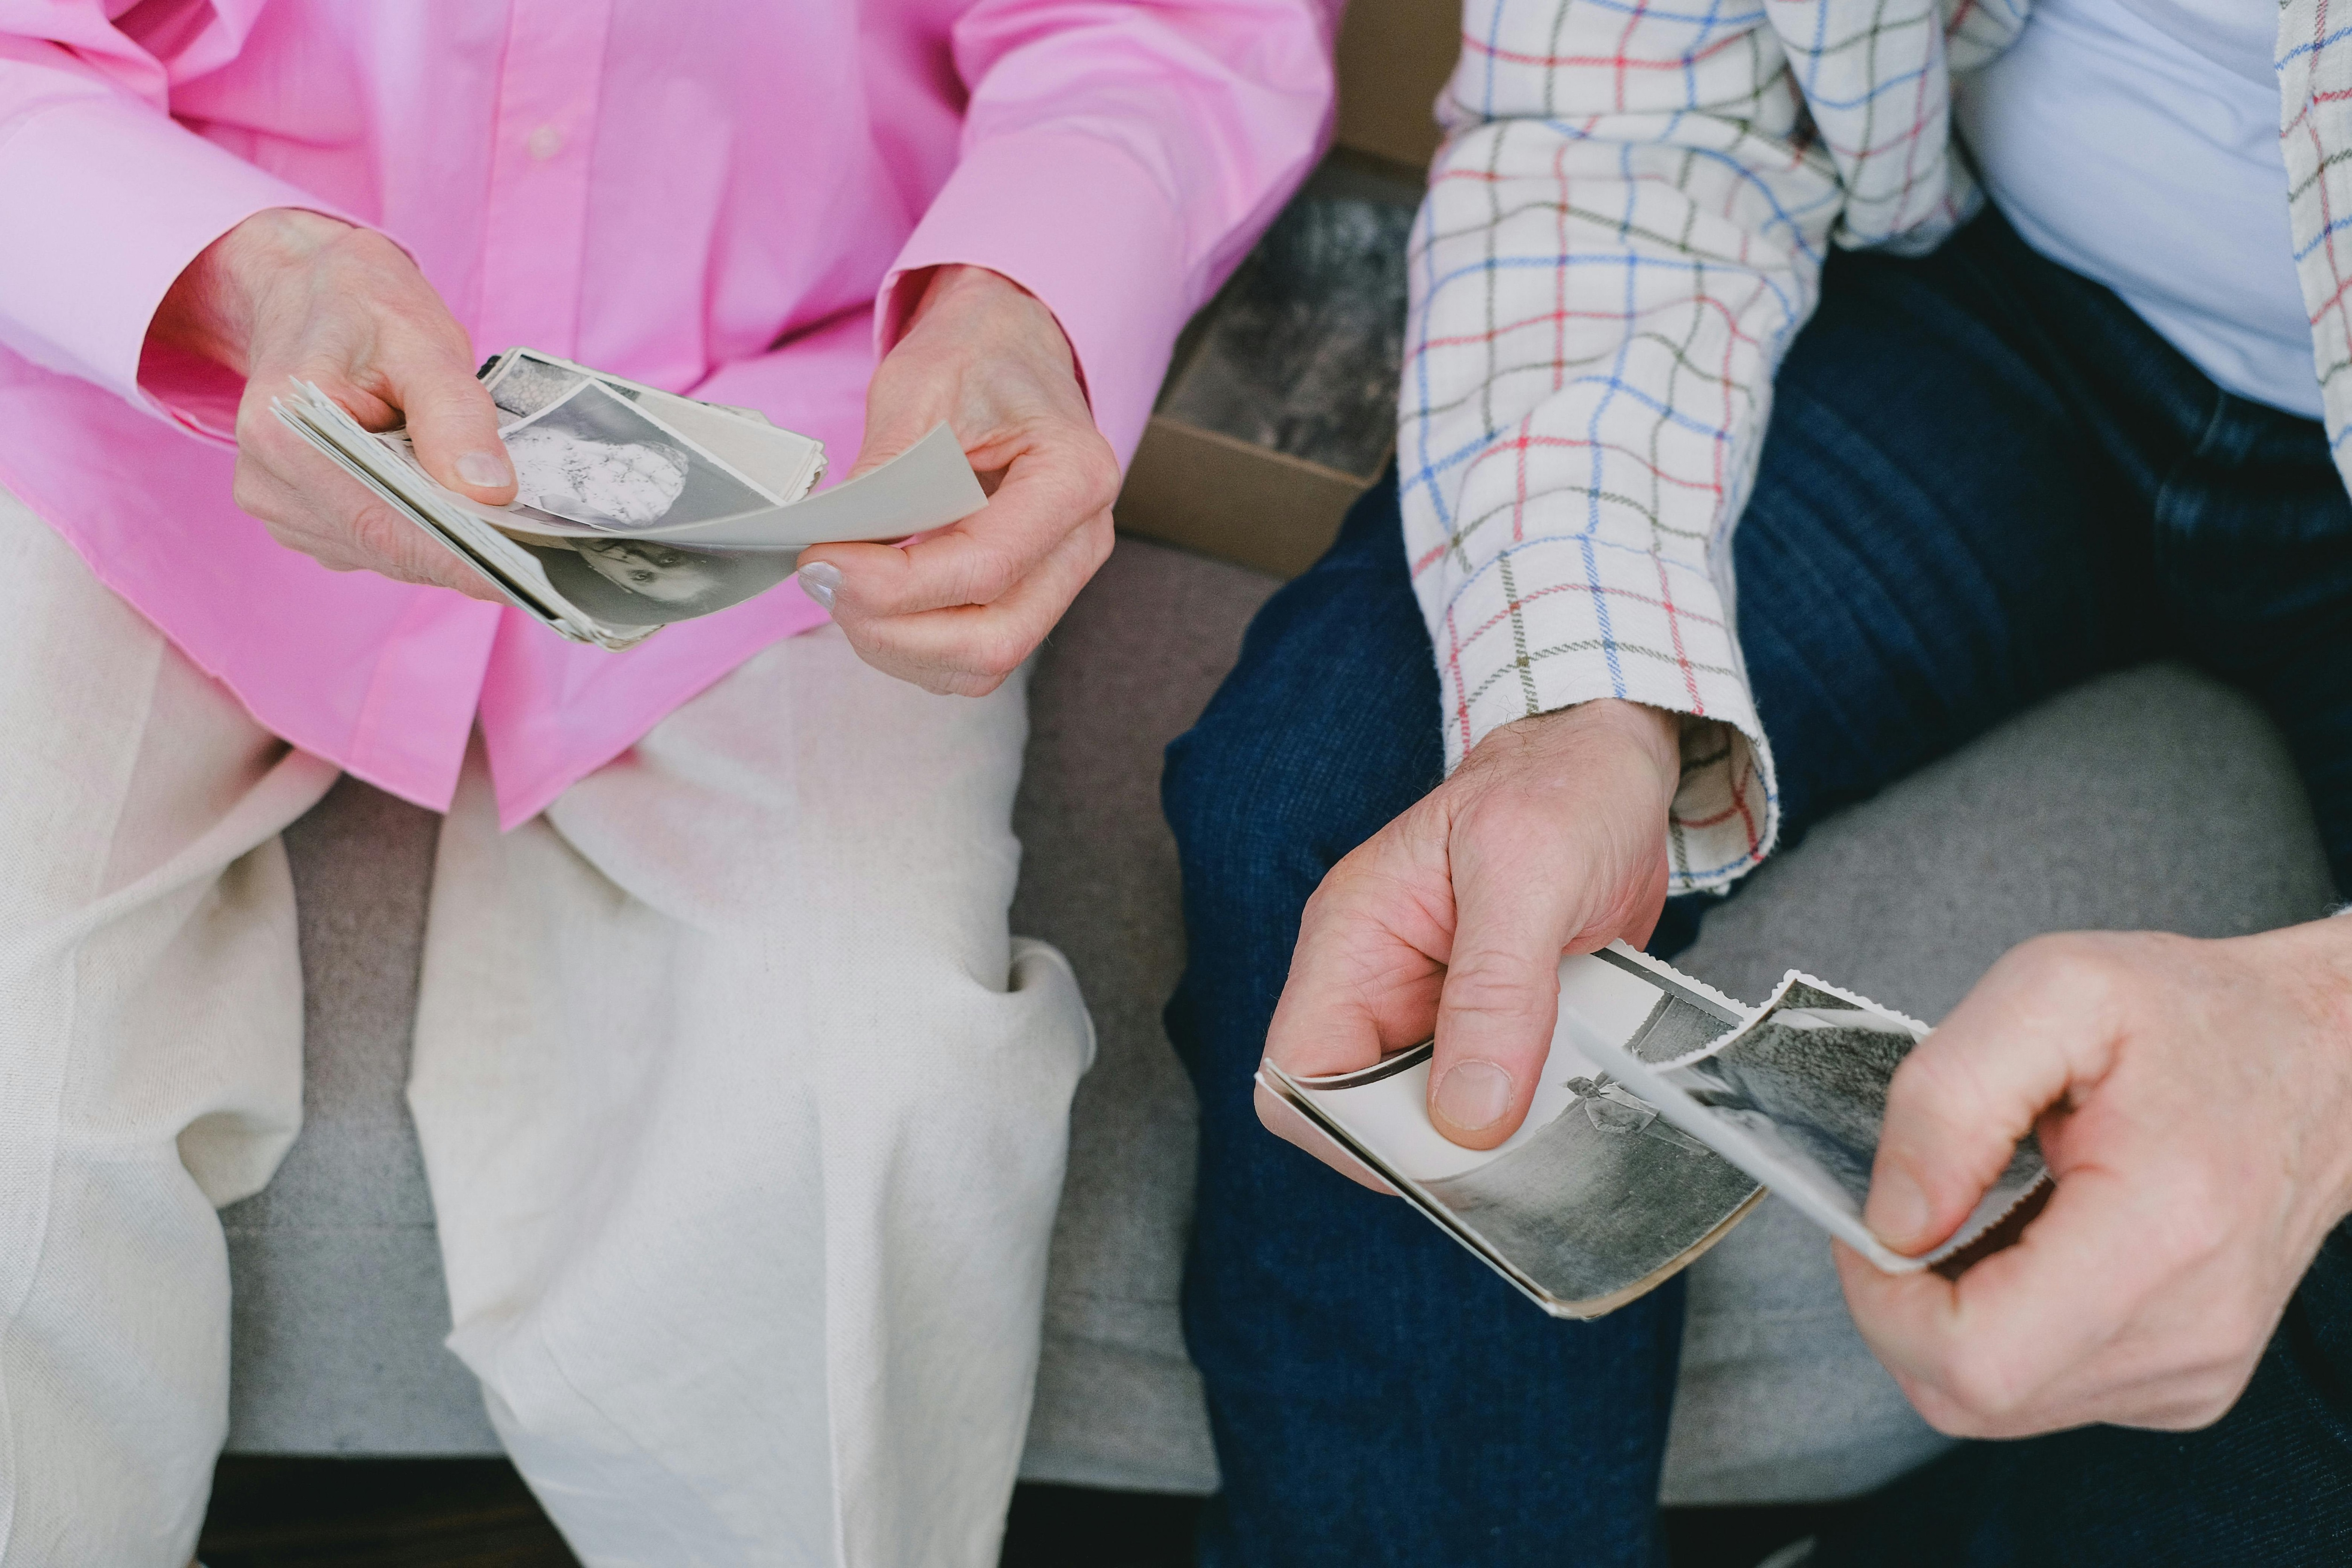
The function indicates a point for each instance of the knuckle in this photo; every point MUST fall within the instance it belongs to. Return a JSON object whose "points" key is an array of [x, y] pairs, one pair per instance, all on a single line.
{"points": [[372, 529], [1983, 1386], [997, 652], [1495, 984], [251, 493], [2244, 1331], [1102, 539], [1944, 1414], [2220, 1395], [1099, 475], [2047, 960], [994, 572], [2197, 1223], [974, 685]]}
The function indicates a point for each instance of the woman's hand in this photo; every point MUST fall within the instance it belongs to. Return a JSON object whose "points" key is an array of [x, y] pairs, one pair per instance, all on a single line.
{"points": [[290, 294], [961, 608]]}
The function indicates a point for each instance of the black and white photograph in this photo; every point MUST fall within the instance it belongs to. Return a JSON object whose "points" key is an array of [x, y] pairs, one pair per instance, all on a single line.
{"points": [[593, 458], [1302, 351], [1597, 1197], [645, 583], [1684, 1021], [522, 385], [1605, 1194], [1809, 1079]]}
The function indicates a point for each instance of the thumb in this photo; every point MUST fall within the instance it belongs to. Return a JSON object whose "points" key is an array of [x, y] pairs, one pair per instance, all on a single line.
{"points": [[454, 428], [1496, 1014], [1965, 1098]]}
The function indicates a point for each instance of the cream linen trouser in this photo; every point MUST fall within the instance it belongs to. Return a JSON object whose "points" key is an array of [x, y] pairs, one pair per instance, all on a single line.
{"points": [[745, 1119]]}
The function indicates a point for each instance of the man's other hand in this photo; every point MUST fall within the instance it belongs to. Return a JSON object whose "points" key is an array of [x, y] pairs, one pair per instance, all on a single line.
{"points": [[957, 610], [1549, 840], [290, 294], [2194, 1099]]}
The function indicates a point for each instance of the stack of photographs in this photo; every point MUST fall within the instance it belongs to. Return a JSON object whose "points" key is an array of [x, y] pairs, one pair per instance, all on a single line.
{"points": [[635, 508], [1664, 1111]]}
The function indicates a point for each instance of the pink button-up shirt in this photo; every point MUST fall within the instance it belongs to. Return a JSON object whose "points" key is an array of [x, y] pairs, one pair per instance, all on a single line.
{"points": [[716, 196]]}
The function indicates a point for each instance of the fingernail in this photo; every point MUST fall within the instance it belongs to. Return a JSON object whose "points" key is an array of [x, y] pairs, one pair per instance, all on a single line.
{"points": [[1473, 1094], [1896, 1212], [820, 580], [487, 469]]}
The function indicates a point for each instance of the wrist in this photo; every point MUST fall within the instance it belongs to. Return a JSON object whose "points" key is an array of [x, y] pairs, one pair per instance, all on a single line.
{"points": [[977, 304], [1653, 734], [957, 285], [212, 308]]}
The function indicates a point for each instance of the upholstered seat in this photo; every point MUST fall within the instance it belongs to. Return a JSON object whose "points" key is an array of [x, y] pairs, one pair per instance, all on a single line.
{"points": [[2151, 798]]}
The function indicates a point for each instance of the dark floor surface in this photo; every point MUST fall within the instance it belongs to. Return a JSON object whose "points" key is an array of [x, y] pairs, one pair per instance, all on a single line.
{"points": [[476, 1513]]}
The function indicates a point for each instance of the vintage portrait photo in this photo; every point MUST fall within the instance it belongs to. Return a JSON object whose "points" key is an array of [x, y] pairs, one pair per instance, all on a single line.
{"points": [[593, 456], [645, 583]]}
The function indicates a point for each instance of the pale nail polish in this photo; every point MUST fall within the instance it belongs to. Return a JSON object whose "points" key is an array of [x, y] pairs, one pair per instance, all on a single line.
{"points": [[1474, 1094], [487, 469], [820, 580]]}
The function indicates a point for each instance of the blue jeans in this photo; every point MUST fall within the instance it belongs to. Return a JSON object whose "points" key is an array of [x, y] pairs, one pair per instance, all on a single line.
{"points": [[1985, 480]]}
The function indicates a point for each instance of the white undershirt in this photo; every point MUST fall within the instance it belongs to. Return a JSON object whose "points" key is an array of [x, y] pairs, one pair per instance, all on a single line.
{"points": [[2135, 141]]}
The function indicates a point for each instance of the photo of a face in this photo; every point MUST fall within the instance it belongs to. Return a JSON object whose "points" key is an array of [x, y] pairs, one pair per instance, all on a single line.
{"points": [[593, 456], [630, 485], [645, 583], [655, 569]]}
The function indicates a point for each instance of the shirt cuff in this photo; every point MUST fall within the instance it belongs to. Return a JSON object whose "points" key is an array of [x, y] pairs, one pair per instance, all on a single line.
{"points": [[1086, 228], [108, 202], [1558, 620]]}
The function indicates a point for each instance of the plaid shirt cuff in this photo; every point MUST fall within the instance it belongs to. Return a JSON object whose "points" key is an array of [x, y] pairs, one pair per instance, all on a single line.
{"points": [[1552, 621]]}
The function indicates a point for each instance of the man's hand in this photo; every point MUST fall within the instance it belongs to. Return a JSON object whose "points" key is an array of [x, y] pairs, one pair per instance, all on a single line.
{"points": [[1551, 838], [2194, 1099], [959, 610], [288, 294]]}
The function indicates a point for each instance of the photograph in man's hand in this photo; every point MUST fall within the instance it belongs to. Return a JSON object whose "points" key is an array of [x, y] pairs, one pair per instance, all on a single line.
{"points": [[1797, 1099], [1596, 1199]]}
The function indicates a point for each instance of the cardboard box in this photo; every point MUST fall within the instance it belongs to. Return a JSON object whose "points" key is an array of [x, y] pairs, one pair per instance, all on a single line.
{"points": [[1222, 482]]}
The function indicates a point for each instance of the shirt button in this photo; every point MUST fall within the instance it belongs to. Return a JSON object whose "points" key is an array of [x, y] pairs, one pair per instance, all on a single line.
{"points": [[545, 142]]}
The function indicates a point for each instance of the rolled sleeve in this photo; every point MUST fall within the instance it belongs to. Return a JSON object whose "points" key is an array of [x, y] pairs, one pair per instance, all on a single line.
{"points": [[108, 201]]}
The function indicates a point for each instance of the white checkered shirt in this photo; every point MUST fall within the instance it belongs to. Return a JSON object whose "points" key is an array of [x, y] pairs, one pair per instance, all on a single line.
{"points": [[1623, 231]]}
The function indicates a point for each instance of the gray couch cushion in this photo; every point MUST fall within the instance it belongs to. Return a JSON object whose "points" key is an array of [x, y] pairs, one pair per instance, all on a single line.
{"points": [[1118, 1405], [338, 1304]]}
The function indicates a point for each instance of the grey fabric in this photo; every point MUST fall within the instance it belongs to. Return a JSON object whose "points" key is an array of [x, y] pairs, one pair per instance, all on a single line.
{"points": [[1118, 1405], [339, 1308], [2153, 798]]}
